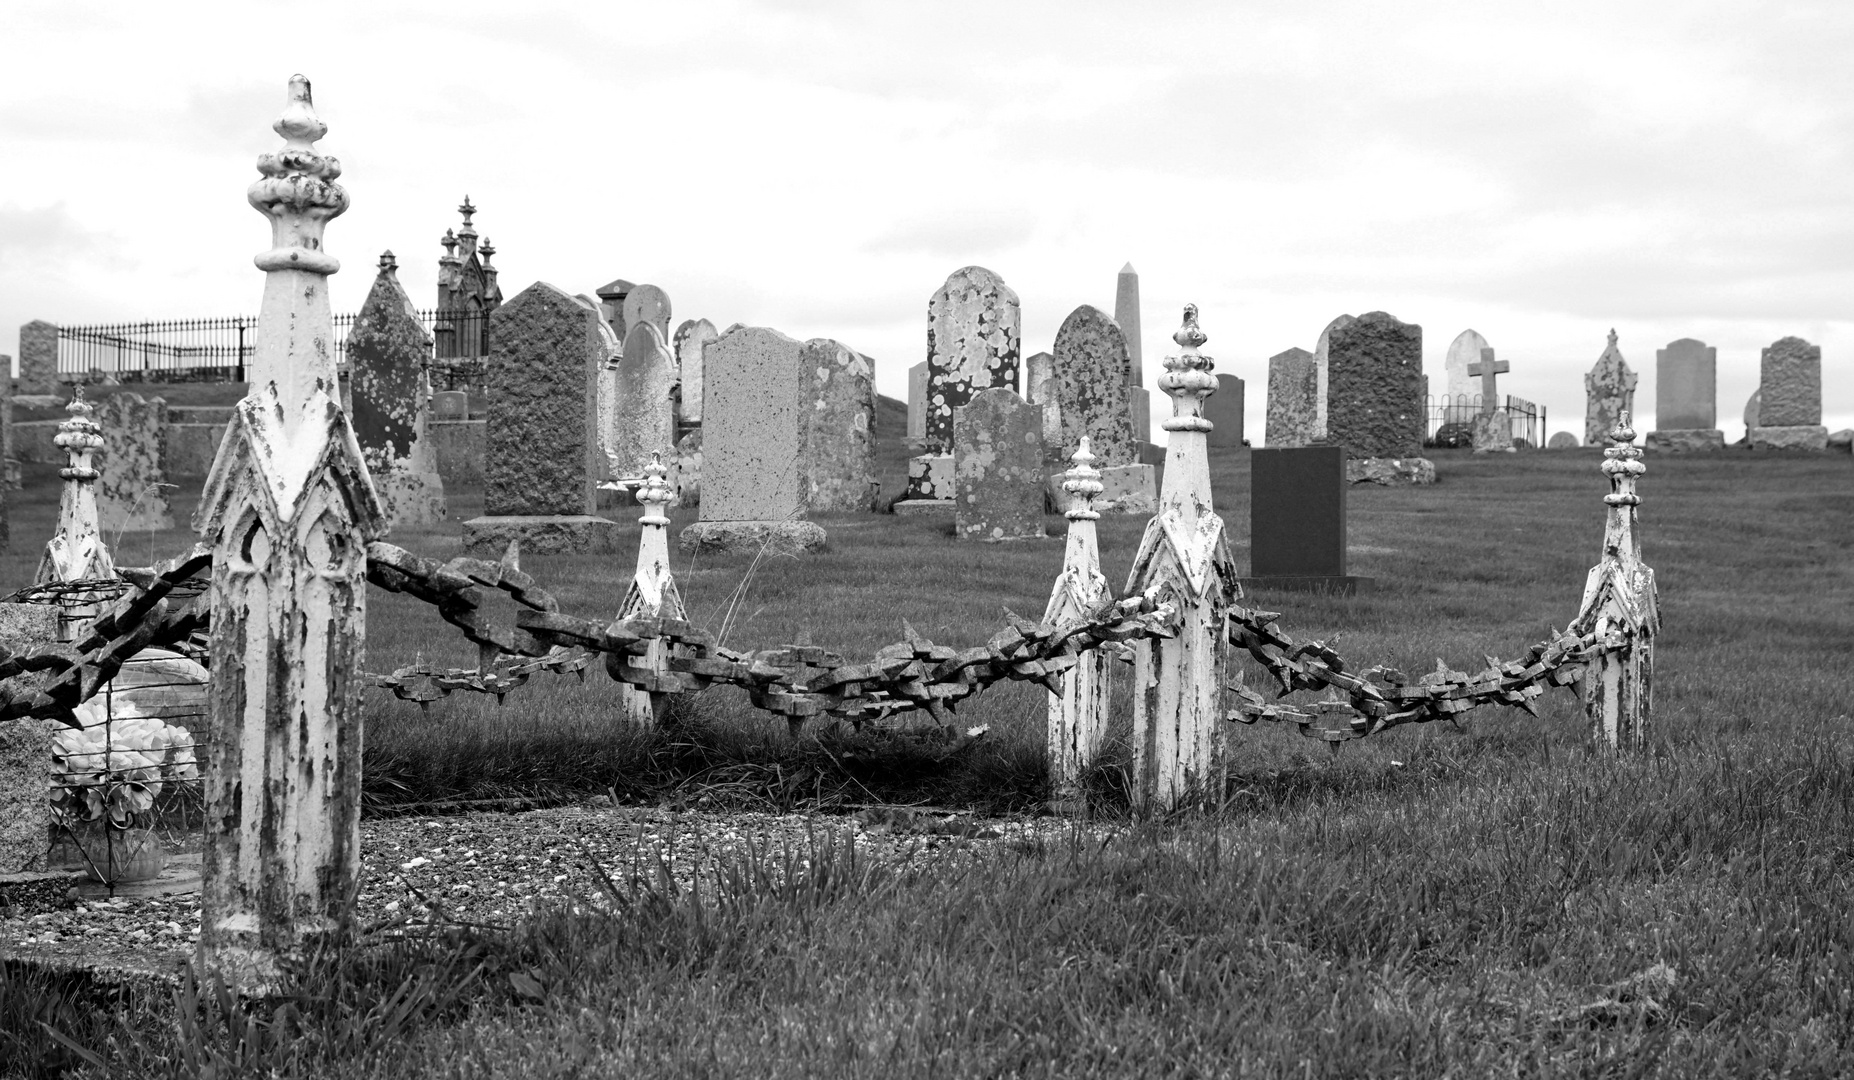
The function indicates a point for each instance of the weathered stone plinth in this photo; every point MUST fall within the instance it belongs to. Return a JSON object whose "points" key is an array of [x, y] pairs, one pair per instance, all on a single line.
{"points": [[540, 534], [930, 479], [1686, 440], [1842, 440], [1391, 472], [1493, 433], [776, 537], [1807, 437], [1128, 489]]}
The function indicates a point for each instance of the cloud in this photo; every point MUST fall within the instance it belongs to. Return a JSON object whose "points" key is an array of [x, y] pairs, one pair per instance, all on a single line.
{"points": [[46, 233], [972, 235]]}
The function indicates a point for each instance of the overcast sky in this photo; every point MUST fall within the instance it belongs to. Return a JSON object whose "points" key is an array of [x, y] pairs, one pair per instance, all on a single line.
{"points": [[1540, 174]]}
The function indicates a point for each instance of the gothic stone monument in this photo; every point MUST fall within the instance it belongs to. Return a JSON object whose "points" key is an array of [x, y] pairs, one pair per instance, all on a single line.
{"points": [[753, 443], [1375, 407], [998, 467], [1789, 398], [1609, 391], [1293, 388], [1686, 413], [543, 456], [389, 387]]}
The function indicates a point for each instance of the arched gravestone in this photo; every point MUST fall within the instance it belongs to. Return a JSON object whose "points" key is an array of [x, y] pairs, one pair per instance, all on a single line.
{"points": [[1091, 372], [1789, 398], [838, 466], [1609, 391], [1464, 352], [389, 385], [647, 303], [1686, 404], [692, 339], [1375, 408], [1322, 392], [1293, 389], [131, 486], [998, 468], [643, 420], [973, 344]]}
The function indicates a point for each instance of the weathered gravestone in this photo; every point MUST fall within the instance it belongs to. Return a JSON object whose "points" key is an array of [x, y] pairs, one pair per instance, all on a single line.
{"points": [[1564, 440], [1322, 366], [543, 456], [838, 466], [1789, 397], [646, 304], [1040, 390], [1464, 352], [131, 486], [25, 752], [1685, 398], [973, 344], [38, 358], [692, 340], [1293, 389], [389, 351], [757, 418], [1376, 409], [611, 305], [643, 420], [1493, 429], [998, 467], [1751, 413], [1126, 314], [450, 405], [1224, 409], [1297, 521], [1090, 370], [917, 406], [1609, 391]]}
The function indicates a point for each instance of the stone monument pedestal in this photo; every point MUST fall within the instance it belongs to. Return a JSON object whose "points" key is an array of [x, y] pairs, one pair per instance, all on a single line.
{"points": [[930, 485], [1493, 433], [1685, 440], [540, 534], [1811, 437], [776, 537], [1390, 472]]}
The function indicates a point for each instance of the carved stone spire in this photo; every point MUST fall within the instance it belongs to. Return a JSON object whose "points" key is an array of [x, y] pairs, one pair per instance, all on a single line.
{"points": [[466, 235], [1188, 380], [76, 552], [1078, 714], [1620, 607], [653, 594]]}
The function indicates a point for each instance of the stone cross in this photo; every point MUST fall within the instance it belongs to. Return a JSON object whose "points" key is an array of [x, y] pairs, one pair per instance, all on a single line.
{"points": [[1485, 370], [287, 510]]}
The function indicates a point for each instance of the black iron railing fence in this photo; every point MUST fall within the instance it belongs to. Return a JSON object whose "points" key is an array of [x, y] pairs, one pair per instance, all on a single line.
{"points": [[201, 350], [1451, 420]]}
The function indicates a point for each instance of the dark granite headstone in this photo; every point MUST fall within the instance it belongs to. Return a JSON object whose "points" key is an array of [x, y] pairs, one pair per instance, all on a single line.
{"points": [[1297, 521], [1224, 409]]}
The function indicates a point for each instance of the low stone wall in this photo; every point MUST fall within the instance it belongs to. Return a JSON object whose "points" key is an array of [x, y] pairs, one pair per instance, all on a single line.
{"points": [[459, 446]]}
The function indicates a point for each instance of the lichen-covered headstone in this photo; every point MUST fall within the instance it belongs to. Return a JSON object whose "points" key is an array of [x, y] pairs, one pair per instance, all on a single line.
{"points": [[1464, 352], [543, 455], [388, 352], [1789, 398], [1092, 375], [1609, 391], [1322, 394], [838, 471], [131, 487], [973, 344], [692, 338], [643, 417], [647, 303], [1293, 390], [753, 438], [998, 467], [1375, 403], [38, 358]]}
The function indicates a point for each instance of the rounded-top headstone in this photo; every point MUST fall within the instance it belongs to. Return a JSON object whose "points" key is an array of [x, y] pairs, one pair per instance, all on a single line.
{"points": [[1564, 440], [647, 303], [1322, 393], [1463, 352], [1790, 384], [1091, 371], [973, 344]]}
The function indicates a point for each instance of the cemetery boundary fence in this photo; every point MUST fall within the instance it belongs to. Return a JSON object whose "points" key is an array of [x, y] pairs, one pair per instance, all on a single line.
{"points": [[1450, 419]]}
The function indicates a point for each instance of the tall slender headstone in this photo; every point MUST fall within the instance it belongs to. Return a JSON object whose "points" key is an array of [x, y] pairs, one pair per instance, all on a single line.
{"points": [[1609, 391], [692, 339], [389, 354], [837, 471], [1686, 413], [1322, 393], [917, 406], [1293, 390], [1464, 352], [644, 419], [753, 444], [1789, 398], [543, 456], [38, 358], [1224, 409], [998, 467], [1375, 404], [1126, 313], [647, 303], [131, 487]]}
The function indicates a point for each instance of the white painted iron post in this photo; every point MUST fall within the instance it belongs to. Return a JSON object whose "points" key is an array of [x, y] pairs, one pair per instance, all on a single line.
{"points": [[1184, 557], [653, 594], [1078, 715], [288, 509], [1619, 606]]}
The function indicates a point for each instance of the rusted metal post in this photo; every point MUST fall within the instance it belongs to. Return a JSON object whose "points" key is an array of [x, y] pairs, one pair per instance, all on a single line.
{"points": [[1078, 715], [653, 594], [1619, 607], [1185, 557], [288, 509]]}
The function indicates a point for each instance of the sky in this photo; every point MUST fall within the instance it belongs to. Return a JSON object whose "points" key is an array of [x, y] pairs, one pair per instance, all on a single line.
{"points": [[1540, 173]]}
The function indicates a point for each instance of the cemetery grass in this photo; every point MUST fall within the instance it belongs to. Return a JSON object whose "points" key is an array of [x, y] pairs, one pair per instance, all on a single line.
{"points": [[1492, 897]]}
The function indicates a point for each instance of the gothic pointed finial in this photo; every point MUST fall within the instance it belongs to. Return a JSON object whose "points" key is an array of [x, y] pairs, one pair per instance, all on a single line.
{"points": [[487, 251], [1612, 337], [654, 493], [1190, 335], [388, 264], [466, 210], [298, 190], [1083, 483], [450, 243]]}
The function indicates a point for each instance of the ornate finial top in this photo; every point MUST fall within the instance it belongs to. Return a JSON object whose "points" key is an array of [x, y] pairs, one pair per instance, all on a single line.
{"points": [[79, 434], [298, 190], [654, 493], [299, 125], [1624, 431], [388, 264], [1083, 483], [466, 210], [1612, 337], [1189, 335], [487, 251]]}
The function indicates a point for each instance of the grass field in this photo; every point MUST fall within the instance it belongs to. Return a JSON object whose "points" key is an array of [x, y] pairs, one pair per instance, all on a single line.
{"points": [[1488, 899]]}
